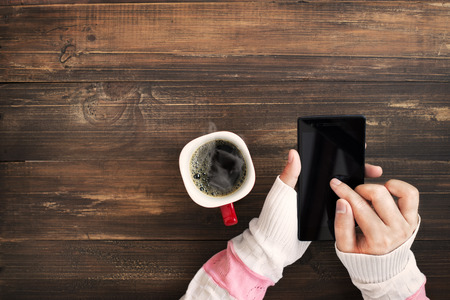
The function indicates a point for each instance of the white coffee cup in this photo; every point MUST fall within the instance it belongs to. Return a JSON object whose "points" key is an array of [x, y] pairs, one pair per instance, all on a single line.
{"points": [[224, 202]]}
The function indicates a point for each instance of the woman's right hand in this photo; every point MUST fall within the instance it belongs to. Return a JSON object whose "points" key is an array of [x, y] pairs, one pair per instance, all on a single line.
{"points": [[384, 224]]}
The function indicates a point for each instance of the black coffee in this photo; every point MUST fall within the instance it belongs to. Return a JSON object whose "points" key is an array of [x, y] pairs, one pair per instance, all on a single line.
{"points": [[218, 168]]}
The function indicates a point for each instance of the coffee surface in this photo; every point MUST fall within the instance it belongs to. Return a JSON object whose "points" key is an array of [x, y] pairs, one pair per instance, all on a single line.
{"points": [[218, 168]]}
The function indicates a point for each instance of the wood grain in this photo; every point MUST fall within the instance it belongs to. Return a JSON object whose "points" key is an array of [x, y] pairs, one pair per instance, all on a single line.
{"points": [[137, 269], [97, 99], [226, 41], [145, 121], [132, 200]]}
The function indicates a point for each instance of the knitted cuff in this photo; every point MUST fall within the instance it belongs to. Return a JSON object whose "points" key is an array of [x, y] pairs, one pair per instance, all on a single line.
{"points": [[402, 286], [271, 241], [365, 268]]}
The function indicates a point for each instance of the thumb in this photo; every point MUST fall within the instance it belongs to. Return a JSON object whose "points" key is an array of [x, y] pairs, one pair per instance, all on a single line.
{"points": [[344, 227], [292, 169]]}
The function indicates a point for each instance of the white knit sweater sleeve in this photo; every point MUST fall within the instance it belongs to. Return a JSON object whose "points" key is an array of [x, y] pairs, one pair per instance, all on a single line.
{"points": [[271, 242], [268, 245], [391, 276]]}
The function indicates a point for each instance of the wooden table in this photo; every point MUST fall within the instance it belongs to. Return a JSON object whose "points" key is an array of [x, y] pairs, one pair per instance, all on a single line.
{"points": [[97, 100]]}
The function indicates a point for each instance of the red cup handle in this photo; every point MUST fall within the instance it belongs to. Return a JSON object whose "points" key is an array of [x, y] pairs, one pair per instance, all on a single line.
{"points": [[229, 214]]}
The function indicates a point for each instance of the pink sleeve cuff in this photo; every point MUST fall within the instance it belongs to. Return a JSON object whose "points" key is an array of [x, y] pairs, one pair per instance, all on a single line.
{"points": [[420, 294], [231, 274]]}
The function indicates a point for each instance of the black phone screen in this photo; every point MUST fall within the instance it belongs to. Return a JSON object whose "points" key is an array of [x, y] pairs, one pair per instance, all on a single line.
{"points": [[329, 147]]}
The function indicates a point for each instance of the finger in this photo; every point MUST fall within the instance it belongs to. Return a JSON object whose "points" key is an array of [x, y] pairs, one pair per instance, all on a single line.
{"points": [[408, 199], [367, 219], [382, 202], [292, 169], [344, 227], [372, 171]]}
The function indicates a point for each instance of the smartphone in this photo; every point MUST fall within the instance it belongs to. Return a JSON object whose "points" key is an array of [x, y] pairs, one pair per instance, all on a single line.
{"points": [[329, 147]]}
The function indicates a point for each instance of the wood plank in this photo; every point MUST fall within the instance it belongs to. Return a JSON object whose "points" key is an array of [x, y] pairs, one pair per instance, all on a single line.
{"points": [[152, 67], [78, 217], [163, 270], [378, 41], [154, 121], [284, 2], [156, 27], [151, 176], [50, 2]]}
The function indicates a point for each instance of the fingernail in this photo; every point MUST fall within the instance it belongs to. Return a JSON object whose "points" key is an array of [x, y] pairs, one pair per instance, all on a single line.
{"points": [[341, 208], [290, 157], [335, 182]]}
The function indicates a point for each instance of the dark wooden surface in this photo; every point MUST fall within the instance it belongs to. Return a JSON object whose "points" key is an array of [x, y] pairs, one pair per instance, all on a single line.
{"points": [[97, 100]]}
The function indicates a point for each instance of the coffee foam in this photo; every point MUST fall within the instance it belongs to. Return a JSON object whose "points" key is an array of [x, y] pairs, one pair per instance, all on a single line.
{"points": [[218, 168]]}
